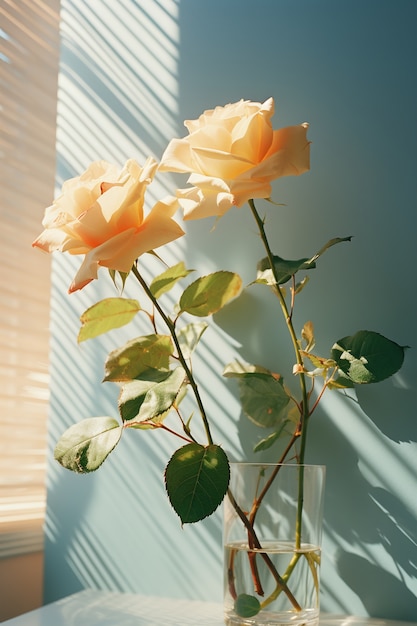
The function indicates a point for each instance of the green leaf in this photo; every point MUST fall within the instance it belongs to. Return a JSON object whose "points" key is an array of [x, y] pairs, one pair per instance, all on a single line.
{"points": [[165, 281], [189, 336], [237, 369], [341, 382], [209, 294], [137, 356], [106, 315], [151, 397], [263, 400], [122, 275], [262, 393], [196, 480], [301, 284], [368, 357], [269, 441], [329, 244], [246, 605], [84, 446], [284, 269]]}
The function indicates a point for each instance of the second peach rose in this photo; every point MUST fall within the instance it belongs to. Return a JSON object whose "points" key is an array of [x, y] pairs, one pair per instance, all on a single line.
{"points": [[233, 154]]}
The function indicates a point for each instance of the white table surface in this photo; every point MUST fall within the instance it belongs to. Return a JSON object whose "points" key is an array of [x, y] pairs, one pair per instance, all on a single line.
{"points": [[103, 608]]}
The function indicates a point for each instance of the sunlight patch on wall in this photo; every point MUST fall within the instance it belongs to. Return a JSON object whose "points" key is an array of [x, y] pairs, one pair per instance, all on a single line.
{"points": [[118, 81], [118, 92], [117, 100]]}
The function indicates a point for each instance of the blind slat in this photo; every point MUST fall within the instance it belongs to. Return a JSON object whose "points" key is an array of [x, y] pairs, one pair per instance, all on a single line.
{"points": [[29, 58]]}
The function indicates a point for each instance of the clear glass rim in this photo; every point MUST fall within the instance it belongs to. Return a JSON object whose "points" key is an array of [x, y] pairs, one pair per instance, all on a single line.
{"points": [[271, 464]]}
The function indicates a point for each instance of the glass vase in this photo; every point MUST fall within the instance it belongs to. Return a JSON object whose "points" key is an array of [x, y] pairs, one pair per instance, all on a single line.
{"points": [[272, 544]]}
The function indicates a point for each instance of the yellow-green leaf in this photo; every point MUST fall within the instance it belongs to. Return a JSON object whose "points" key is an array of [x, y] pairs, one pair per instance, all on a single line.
{"points": [[137, 356], [237, 369], [307, 334], [84, 446], [105, 315], [319, 362], [209, 294], [341, 382], [151, 397], [121, 275], [165, 281], [189, 336]]}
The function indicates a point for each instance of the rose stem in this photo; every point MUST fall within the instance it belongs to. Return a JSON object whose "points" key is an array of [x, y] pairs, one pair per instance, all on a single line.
{"points": [[304, 404], [171, 327], [255, 542]]}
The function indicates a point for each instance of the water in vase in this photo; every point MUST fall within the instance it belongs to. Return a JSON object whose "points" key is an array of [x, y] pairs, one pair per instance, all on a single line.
{"points": [[288, 584]]}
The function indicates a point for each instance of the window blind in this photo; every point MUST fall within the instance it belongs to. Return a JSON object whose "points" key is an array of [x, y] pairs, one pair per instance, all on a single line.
{"points": [[29, 56]]}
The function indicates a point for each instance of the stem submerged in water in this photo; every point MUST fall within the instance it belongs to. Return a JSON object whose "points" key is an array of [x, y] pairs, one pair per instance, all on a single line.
{"points": [[255, 543]]}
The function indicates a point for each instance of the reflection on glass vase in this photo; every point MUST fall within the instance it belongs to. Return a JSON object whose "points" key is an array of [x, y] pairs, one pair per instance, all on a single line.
{"points": [[272, 544]]}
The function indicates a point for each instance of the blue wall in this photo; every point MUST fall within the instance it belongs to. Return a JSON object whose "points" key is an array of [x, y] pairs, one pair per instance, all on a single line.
{"points": [[128, 80]]}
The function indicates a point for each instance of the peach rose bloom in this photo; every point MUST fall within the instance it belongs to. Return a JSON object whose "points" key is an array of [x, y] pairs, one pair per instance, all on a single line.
{"points": [[100, 214], [233, 154]]}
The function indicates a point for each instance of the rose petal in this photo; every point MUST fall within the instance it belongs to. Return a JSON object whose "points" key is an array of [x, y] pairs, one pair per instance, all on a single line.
{"points": [[120, 252], [197, 204], [294, 147], [177, 157], [50, 240]]}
